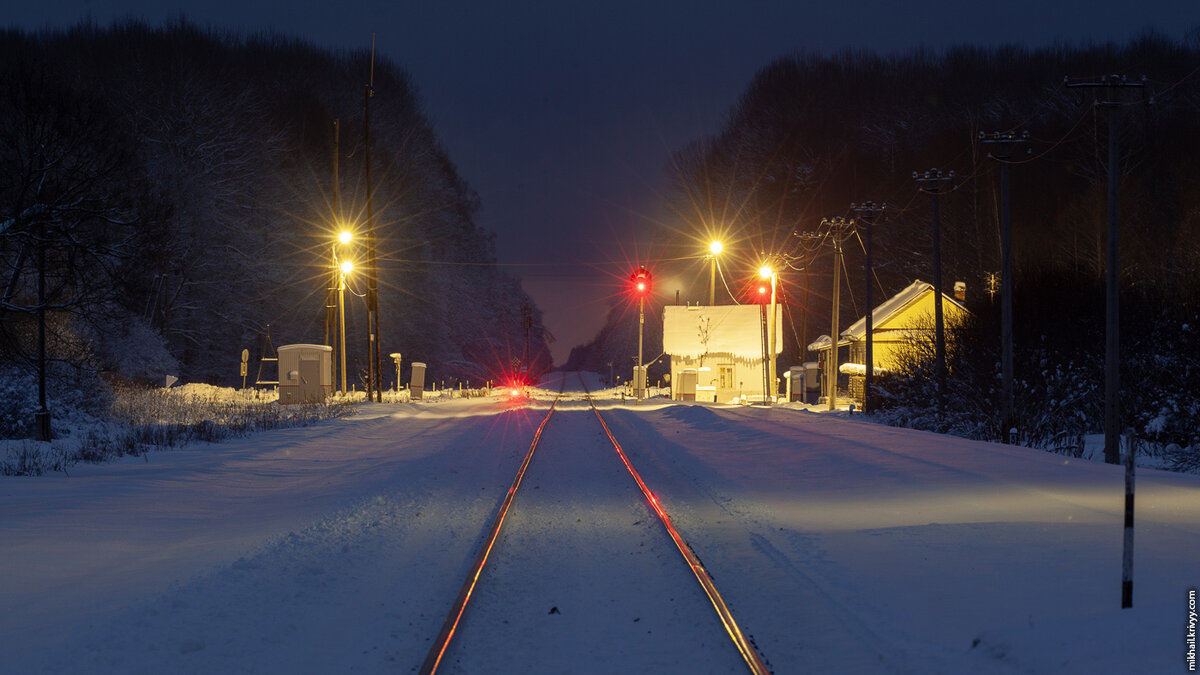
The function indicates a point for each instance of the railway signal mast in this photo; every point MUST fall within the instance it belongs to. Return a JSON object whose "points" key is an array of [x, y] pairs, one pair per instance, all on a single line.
{"points": [[641, 288]]}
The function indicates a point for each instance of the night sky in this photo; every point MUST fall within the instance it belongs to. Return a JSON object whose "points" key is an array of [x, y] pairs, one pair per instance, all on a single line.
{"points": [[562, 115]]}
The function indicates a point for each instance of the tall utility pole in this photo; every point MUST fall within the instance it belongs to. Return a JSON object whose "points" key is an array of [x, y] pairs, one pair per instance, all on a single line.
{"points": [[374, 365], [42, 417], [341, 307], [331, 319], [866, 214], [840, 230], [1111, 84], [933, 178], [1004, 142]]}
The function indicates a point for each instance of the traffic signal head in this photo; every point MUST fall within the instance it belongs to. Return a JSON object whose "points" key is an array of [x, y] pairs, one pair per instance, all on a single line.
{"points": [[641, 281]]}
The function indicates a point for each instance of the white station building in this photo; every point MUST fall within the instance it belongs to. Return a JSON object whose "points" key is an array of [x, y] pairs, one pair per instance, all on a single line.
{"points": [[717, 352]]}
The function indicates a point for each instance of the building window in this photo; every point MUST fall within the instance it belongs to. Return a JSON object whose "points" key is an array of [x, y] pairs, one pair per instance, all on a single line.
{"points": [[725, 373]]}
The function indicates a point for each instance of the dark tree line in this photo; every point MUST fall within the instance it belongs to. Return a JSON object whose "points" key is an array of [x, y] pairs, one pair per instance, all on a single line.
{"points": [[180, 183], [812, 134]]}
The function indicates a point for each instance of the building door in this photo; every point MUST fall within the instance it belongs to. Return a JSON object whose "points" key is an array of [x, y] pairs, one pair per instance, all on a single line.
{"points": [[310, 381]]}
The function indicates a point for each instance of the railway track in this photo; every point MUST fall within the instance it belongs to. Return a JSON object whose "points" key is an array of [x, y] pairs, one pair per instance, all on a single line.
{"points": [[450, 628]]}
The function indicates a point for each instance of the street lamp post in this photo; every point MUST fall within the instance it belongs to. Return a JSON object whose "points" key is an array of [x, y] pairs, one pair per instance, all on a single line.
{"points": [[396, 357], [346, 268], [339, 282], [714, 250], [767, 273]]}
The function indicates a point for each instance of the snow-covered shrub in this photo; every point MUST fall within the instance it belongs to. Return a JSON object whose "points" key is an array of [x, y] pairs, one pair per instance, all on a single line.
{"points": [[1058, 367], [1160, 381], [75, 396], [31, 458], [18, 403], [198, 412], [1057, 400], [133, 351], [908, 397], [1054, 401]]}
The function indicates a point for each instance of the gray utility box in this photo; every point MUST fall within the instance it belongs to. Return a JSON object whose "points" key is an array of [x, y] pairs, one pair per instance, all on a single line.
{"points": [[416, 386], [639, 381], [305, 373]]}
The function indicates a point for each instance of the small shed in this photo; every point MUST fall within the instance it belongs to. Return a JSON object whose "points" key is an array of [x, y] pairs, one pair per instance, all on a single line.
{"points": [[723, 344], [896, 322], [305, 373]]}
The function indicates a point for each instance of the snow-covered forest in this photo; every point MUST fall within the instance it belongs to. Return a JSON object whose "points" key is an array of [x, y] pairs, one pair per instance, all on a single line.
{"points": [[180, 185], [812, 134]]}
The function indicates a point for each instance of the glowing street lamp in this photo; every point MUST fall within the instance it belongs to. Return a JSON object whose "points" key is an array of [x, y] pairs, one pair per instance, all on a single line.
{"points": [[714, 250], [345, 268], [337, 283], [767, 273]]}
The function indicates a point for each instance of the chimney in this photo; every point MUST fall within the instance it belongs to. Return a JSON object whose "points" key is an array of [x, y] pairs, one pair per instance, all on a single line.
{"points": [[960, 291]]}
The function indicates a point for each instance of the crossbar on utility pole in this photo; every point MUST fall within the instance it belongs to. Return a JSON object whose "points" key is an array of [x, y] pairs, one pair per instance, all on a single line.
{"points": [[866, 214], [1111, 84], [1003, 143], [840, 229], [933, 178]]}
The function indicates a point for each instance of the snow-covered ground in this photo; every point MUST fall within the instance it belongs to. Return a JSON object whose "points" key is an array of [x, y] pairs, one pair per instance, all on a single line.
{"points": [[840, 545]]}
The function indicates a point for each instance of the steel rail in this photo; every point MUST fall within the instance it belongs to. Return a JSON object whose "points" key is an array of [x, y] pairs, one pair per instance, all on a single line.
{"points": [[434, 658], [735, 632]]}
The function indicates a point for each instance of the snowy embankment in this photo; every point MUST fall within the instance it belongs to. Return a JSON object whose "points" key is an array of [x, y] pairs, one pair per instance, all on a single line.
{"points": [[129, 420], [841, 546]]}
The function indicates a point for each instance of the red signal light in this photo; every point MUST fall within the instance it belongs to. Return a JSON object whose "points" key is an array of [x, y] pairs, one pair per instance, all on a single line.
{"points": [[641, 280]]}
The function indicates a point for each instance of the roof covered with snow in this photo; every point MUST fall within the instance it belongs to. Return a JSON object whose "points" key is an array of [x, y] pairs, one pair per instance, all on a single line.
{"points": [[690, 331], [884, 312], [893, 306]]}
